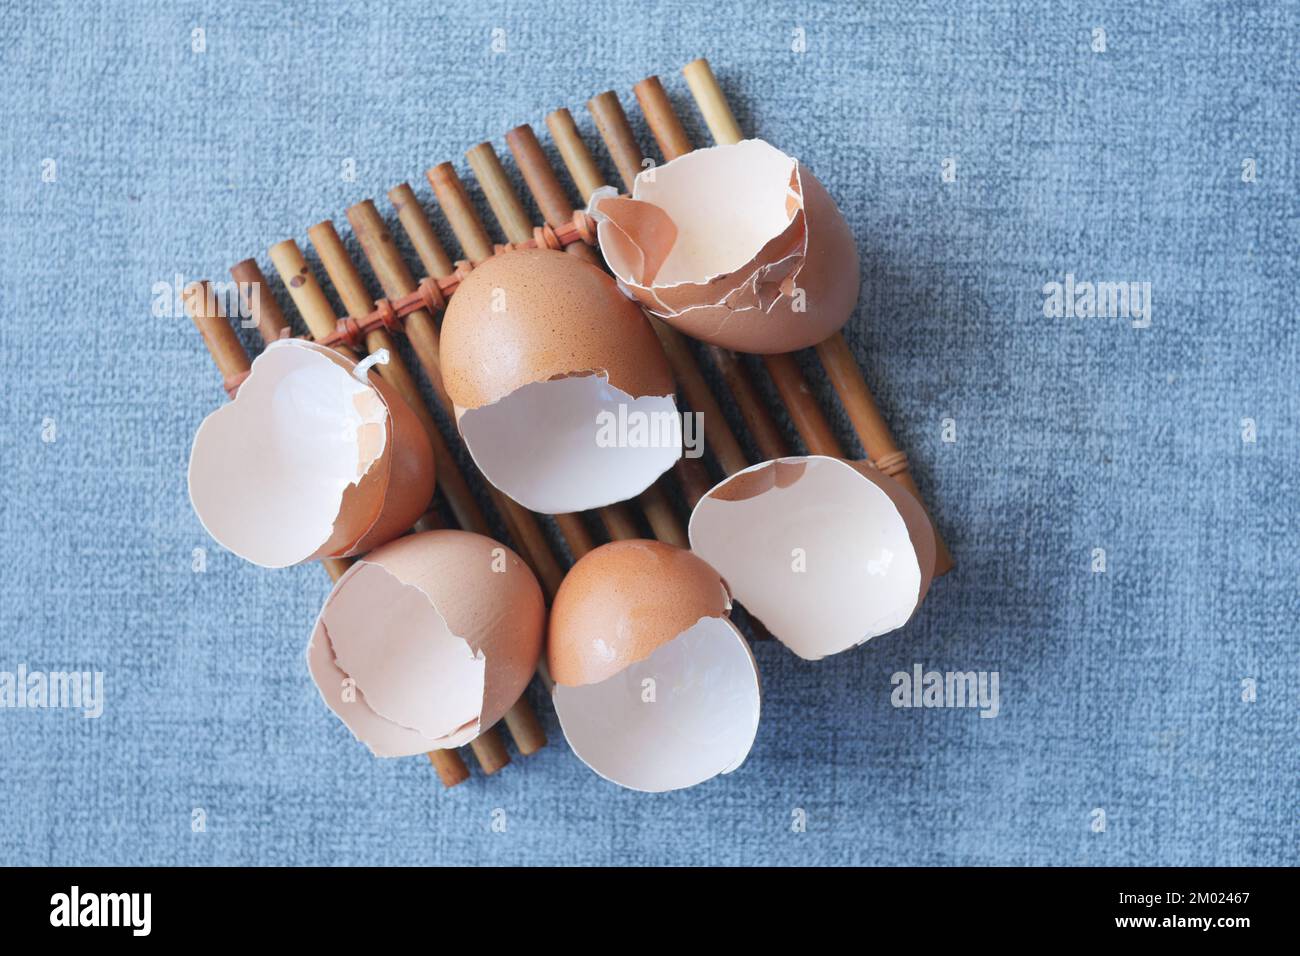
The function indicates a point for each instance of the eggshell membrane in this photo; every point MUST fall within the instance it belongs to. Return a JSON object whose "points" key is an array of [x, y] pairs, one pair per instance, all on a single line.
{"points": [[717, 241], [561, 317], [867, 544], [622, 601], [701, 722], [535, 345], [308, 461], [440, 633]]}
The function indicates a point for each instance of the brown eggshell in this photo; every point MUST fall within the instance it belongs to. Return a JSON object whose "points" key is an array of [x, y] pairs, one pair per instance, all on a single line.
{"points": [[826, 553], [752, 307], [409, 477], [752, 482], [828, 276], [558, 316], [637, 237], [253, 499], [624, 600], [499, 612], [919, 526], [482, 593], [363, 503], [382, 736], [772, 254]]}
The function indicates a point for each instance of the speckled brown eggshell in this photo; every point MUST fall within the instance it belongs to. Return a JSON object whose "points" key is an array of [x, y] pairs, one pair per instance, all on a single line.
{"points": [[624, 600], [533, 315]]}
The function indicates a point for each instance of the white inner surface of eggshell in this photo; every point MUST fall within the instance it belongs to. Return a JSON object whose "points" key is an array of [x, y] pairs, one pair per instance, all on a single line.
{"points": [[702, 721], [726, 202], [269, 470], [389, 638], [861, 578], [338, 690], [539, 444]]}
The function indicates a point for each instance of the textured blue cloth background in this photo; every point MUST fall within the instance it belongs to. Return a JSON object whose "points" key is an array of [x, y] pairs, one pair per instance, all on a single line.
{"points": [[1120, 691]]}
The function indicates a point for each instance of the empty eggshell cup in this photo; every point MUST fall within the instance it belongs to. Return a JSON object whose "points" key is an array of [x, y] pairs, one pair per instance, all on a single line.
{"points": [[826, 553], [547, 363], [309, 460], [737, 245], [655, 688], [428, 640]]}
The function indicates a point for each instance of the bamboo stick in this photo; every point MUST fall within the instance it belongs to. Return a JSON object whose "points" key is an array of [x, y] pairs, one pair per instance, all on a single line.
{"points": [[306, 292], [500, 194], [223, 345], [805, 414], [477, 246], [574, 152], [846, 378], [614, 129], [662, 118], [396, 279], [547, 191], [544, 186], [460, 212], [232, 360], [582, 169], [428, 247], [712, 102], [356, 298], [520, 720], [762, 426], [837, 358], [260, 304], [553, 201]]}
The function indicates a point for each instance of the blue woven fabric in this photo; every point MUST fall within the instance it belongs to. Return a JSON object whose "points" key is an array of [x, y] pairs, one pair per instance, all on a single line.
{"points": [[979, 152]]}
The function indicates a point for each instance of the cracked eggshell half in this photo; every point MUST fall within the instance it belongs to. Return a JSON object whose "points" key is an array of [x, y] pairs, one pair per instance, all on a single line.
{"points": [[309, 461], [655, 688], [739, 245], [562, 391], [826, 553], [428, 640]]}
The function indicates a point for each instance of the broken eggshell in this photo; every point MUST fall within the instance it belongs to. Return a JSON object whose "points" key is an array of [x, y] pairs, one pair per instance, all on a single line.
{"points": [[654, 687], [826, 553], [427, 640], [309, 460], [543, 357], [737, 245]]}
